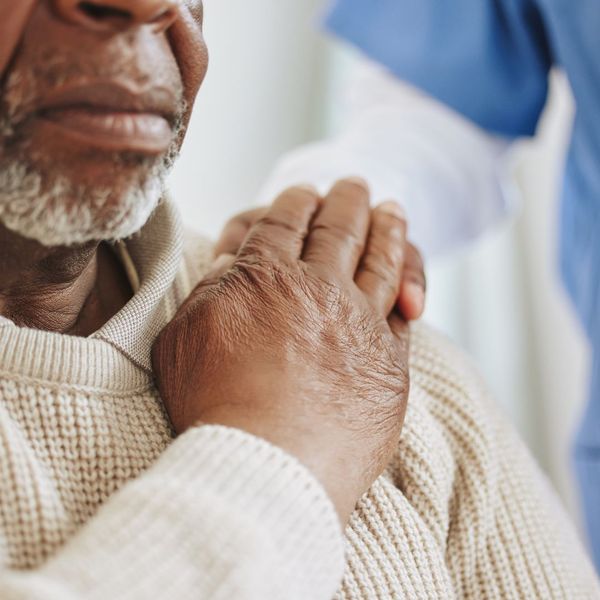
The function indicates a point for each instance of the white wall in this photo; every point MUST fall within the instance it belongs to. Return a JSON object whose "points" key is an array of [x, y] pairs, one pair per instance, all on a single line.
{"points": [[559, 353], [258, 100]]}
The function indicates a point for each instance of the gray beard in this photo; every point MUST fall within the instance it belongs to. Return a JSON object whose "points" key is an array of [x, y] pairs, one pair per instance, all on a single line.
{"points": [[54, 211], [60, 213]]}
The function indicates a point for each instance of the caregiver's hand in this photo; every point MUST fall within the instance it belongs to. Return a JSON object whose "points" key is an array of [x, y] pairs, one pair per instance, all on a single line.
{"points": [[293, 343], [411, 299]]}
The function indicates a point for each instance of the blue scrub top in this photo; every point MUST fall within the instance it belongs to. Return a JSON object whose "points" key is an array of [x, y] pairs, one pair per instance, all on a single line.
{"points": [[489, 60]]}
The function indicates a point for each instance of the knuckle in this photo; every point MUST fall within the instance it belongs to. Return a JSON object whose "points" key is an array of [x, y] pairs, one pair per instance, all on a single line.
{"points": [[257, 247], [283, 222], [264, 239], [383, 270], [416, 278], [251, 268], [391, 255], [395, 255], [340, 233], [390, 226]]}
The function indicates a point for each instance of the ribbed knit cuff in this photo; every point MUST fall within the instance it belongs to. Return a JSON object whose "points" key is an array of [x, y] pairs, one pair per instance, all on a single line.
{"points": [[273, 489], [221, 515]]}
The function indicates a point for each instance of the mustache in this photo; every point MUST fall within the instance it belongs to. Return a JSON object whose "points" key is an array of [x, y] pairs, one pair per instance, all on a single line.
{"points": [[28, 89]]}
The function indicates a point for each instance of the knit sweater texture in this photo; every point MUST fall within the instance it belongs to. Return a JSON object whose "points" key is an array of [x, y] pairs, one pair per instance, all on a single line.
{"points": [[99, 500]]}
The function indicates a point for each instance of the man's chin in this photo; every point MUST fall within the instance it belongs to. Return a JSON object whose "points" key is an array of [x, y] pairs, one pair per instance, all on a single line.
{"points": [[62, 213]]}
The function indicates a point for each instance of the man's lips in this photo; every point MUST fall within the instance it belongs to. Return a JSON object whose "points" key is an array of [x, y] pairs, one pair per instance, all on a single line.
{"points": [[111, 130], [112, 117]]}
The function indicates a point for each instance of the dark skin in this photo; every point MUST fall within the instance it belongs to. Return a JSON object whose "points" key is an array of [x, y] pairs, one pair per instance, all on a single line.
{"points": [[60, 289], [297, 335], [306, 349], [411, 300], [75, 290]]}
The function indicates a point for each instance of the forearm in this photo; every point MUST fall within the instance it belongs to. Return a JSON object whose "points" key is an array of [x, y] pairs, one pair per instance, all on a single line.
{"points": [[221, 515]]}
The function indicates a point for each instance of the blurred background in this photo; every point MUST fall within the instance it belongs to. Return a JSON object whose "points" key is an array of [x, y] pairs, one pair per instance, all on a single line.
{"points": [[276, 81]]}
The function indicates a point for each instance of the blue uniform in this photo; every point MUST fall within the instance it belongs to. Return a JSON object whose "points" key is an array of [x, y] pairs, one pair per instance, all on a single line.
{"points": [[489, 59]]}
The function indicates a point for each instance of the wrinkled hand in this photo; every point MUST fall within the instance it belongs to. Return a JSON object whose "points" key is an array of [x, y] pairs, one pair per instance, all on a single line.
{"points": [[293, 342], [411, 299]]}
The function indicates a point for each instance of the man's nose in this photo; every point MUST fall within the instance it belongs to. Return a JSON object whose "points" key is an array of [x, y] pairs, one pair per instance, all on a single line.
{"points": [[117, 15]]}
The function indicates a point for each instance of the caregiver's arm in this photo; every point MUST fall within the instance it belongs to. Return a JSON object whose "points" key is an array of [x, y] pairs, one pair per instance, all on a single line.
{"points": [[448, 172]]}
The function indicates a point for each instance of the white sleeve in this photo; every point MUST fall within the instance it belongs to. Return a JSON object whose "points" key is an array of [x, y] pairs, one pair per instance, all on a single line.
{"points": [[221, 515], [448, 173]]}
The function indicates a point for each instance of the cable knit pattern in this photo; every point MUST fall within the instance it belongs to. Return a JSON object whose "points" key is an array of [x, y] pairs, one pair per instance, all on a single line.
{"points": [[99, 501]]}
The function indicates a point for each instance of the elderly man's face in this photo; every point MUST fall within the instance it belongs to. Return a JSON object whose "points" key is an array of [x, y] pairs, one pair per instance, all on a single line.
{"points": [[93, 106]]}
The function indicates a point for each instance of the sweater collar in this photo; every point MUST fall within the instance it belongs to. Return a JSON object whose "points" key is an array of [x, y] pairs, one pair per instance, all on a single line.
{"points": [[156, 253], [123, 345]]}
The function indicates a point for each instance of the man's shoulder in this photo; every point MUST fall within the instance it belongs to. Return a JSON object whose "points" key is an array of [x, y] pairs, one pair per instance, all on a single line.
{"points": [[448, 392], [449, 446], [438, 363]]}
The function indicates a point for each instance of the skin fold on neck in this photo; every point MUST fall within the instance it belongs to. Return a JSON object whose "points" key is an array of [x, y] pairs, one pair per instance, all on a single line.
{"points": [[68, 290]]}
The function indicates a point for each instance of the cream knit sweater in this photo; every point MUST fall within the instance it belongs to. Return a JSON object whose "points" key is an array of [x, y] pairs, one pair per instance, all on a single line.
{"points": [[98, 501]]}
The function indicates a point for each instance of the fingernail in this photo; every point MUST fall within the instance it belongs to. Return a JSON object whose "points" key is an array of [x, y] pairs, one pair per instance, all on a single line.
{"points": [[358, 181], [391, 207]]}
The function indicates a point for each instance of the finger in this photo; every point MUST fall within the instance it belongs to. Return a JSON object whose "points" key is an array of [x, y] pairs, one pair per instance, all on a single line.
{"points": [[339, 232], [380, 271], [411, 301], [236, 230], [283, 228], [13, 18]]}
